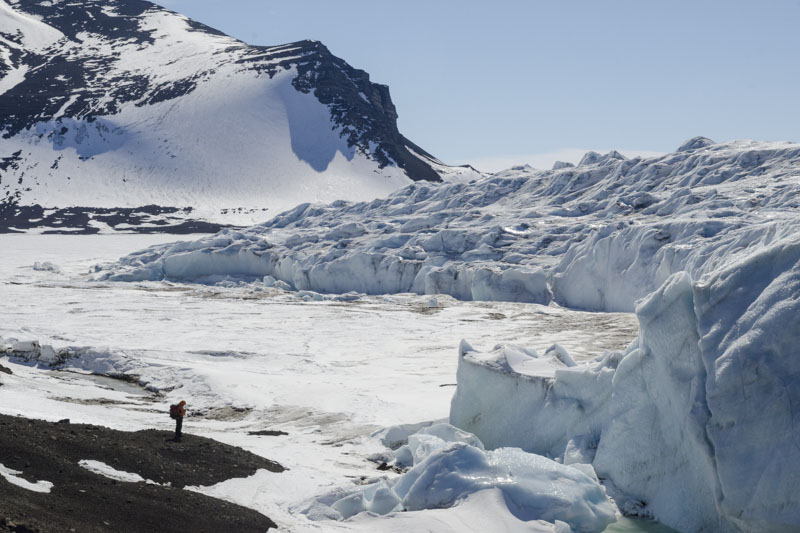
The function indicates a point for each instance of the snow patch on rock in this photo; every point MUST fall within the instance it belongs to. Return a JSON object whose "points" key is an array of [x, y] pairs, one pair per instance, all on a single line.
{"points": [[104, 470], [13, 477]]}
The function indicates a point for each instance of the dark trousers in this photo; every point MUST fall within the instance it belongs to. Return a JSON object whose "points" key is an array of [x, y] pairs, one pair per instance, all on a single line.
{"points": [[178, 426]]}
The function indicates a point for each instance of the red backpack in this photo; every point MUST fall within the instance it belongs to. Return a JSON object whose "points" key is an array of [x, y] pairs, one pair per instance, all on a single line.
{"points": [[174, 411]]}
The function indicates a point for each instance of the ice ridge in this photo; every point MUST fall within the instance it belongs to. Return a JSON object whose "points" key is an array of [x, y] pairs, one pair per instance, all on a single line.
{"points": [[597, 236]]}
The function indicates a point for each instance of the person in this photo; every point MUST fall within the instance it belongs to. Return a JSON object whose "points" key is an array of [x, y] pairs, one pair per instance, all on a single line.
{"points": [[179, 420]]}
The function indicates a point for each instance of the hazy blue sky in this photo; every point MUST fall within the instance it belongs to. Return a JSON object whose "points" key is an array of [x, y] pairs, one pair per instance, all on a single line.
{"points": [[510, 81]]}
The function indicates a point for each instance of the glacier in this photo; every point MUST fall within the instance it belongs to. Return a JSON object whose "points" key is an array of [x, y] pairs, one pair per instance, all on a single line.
{"points": [[597, 236], [693, 424]]}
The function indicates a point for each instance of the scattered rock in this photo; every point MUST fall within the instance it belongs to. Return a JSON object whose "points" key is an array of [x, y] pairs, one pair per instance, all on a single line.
{"points": [[224, 413], [267, 433], [15, 527], [91, 401], [383, 467]]}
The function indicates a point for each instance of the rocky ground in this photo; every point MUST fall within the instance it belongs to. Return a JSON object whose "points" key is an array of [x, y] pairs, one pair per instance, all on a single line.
{"points": [[83, 501], [16, 218]]}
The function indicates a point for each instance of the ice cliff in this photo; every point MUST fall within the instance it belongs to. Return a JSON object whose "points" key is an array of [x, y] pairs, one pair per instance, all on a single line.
{"points": [[696, 423]]}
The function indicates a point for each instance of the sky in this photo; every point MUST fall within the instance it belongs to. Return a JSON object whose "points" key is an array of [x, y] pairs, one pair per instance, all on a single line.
{"points": [[528, 81]]}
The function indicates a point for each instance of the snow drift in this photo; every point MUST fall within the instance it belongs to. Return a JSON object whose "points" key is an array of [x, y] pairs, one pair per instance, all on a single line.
{"points": [[597, 236], [695, 423]]}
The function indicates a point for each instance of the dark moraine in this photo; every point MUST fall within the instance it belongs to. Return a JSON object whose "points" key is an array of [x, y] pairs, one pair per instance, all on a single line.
{"points": [[83, 501]]}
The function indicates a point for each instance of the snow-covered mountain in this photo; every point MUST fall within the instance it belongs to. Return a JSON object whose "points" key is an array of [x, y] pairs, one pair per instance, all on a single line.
{"points": [[595, 236], [121, 103]]}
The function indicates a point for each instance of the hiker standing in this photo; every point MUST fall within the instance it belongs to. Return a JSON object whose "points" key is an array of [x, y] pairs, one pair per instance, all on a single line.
{"points": [[178, 412]]}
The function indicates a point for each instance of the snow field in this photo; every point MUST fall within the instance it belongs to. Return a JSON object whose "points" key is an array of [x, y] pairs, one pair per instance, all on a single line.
{"points": [[36, 35], [146, 142]]}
